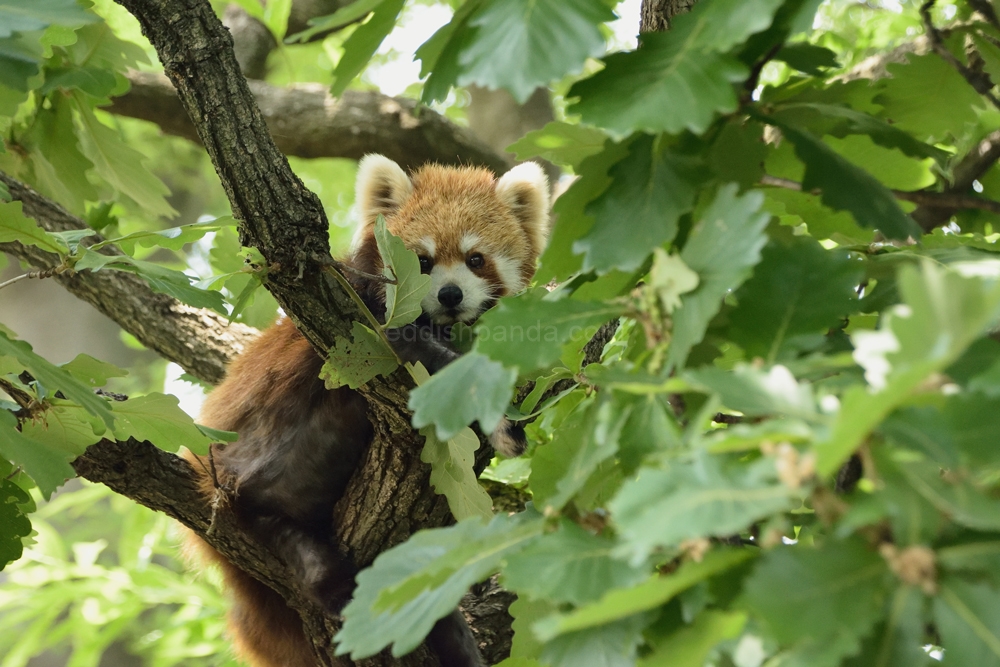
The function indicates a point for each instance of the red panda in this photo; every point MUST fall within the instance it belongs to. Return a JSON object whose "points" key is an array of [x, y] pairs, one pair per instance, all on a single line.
{"points": [[479, 239]]}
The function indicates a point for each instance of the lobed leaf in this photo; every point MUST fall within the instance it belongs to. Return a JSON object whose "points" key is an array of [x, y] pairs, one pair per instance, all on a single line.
{"points": [[355, 362], [15, 227], [409, 587], [47, 466], [402, 299], [520, 45], [471, 388], [568, 565], [651, 189], [661, 508], [453, 475], [158, 418], [119, 164], [722, 249], [527, 333], [53, 378], [847, 187], [363, 43]]}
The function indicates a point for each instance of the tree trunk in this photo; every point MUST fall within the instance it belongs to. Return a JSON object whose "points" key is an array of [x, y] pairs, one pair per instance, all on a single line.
{"points": [[656, 14]]}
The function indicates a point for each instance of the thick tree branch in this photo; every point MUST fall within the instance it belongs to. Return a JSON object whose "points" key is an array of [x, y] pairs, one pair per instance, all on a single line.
{"points": [[306, 122], [389, 497], [200, 341], [971, 167]]}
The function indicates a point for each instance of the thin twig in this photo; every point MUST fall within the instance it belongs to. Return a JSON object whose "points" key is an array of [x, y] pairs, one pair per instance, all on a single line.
{"points": [[980, 81], [15, 279], [343, 267], [986, 9], [923, 198], [46, 273]]}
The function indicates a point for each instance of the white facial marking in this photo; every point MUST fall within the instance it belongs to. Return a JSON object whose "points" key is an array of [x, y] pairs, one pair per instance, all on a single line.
{"points": [[475, 293], [509, 271], [429, 246], [468, 242]]}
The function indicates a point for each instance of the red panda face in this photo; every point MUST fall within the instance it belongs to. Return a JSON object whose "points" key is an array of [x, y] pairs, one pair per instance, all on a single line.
{"points": [[478, 238]]}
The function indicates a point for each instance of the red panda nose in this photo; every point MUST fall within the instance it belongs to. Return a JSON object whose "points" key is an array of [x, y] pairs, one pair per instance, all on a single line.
{"points": [[450, 296]]}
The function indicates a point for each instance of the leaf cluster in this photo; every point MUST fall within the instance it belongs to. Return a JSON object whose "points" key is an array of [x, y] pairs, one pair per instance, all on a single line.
{"points": [[786, 451]]}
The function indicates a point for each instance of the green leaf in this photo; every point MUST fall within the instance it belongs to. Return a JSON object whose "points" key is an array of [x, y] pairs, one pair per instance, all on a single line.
{"points": [[624, 602], [158, 418], [59, 166], [901, 638], [14, 226], [738, 153], [847, 187], [652, 188], [690, 646], [943, 314], [960, 430], [20, 56], [799, 287], [357, 361], [173, 238], [471, 388], [66, 428], [649, 427], [807, 58], [439, 54], [527, 334], [363, 43], [849, 121], [344, 16], [958, 500], [611, 645], [18, 16], [569, 565], [829, 595], [906, 104], [409, 587], [160, 279], [968, 617], [562, 143], [522, 44], [276, 17], [722, 249], [678, 79], [14, 525], [571, 218], [95, 81], [402, 300], [453, 476], [562, 468], [667, 85], [52, 378], [757, 393], [661, 508], [119, 164], [92, 371], [47, 466]]}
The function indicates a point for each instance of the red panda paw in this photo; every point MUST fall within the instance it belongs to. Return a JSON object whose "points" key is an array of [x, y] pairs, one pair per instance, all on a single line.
{"points": [[508, 438]]}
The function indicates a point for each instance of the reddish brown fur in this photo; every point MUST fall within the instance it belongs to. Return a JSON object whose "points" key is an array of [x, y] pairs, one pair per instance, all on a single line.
{"points": [[299, 442]]}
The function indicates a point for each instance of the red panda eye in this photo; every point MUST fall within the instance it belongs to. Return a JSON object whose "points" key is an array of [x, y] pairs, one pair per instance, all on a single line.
{"points": [[425, 264], [474, 261]]}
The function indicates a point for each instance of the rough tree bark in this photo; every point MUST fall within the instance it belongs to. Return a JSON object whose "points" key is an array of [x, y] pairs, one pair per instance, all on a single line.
{"points": [[389, 496], [655, 15], [305, 121]]}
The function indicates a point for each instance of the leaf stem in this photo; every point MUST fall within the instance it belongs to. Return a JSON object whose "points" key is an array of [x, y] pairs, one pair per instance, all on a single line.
{"points": [[375, 325]]}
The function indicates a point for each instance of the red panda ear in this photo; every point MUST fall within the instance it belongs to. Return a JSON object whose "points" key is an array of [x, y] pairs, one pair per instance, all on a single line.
{"points": [[525, 189], [381, 187]]}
